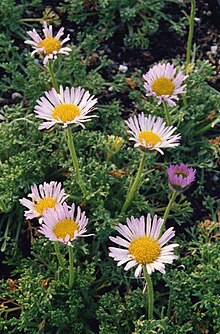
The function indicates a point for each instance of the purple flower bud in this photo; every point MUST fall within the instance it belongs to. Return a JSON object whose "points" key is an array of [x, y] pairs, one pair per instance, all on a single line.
{"points": [[180, 176]]}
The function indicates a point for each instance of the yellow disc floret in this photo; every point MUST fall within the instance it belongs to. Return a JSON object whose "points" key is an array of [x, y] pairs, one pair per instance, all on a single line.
{"points": [[149, 137], [144, 249], [64, 228], [163, 86], [45, 203], [50, 44], [66, 112], [184, 175]]}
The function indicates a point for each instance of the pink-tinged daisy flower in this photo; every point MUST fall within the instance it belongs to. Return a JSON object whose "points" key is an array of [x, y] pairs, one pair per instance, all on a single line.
{"points": [[69, 106], [61, 225], [49, 46], [142, 245], [43, 197], [152, 133], [180, 176], [162, 82]]}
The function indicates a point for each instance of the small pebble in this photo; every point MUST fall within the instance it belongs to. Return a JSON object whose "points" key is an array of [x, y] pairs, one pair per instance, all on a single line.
{"points": [[197, 19], [214, 48], [123, 68], [215, 178], [16, 96]]}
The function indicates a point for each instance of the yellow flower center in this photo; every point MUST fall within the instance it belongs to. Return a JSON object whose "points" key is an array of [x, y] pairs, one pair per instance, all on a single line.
{"points": [[149, 137], [163, 86], [66, 112], [144, 249], [65, 227], [184, 175], [45, 203], [50, 44]]}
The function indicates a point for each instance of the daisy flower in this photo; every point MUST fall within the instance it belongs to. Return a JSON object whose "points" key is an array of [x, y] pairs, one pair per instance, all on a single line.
{"points": [[151, 133], [43, 197], [69, 106], [162, 82], [142, 246], [180, 176], [61, 225], [49, 46]]}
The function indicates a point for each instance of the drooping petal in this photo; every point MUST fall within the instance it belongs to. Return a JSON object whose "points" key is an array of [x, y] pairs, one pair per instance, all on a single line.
{"points": [[151, 133], [44, 196], [48, 46]]}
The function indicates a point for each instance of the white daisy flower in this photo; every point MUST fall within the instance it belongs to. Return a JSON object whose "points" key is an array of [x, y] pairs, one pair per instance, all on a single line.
{"points": [[69, 106], [60, 224], [162, 82], [142, 246], [152, 133], [43, 197], [49, 46]]}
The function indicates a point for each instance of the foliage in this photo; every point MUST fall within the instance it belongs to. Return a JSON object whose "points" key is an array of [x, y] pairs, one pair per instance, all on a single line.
{"points": [[139, 19], [40, 288]]}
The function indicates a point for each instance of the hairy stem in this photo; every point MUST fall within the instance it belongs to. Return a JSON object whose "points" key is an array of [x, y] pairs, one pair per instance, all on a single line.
{"points": [[133, 189], [150, 294], [167, 114], [190, 36], [57, 250], [52, 74], [168, 208], [71, 272], [75, 161]]}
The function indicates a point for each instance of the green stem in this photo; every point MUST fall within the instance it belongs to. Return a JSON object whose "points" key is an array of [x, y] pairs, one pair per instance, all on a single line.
{"points": [[5, 237], [205, 128], [75, 161], [167, 114], [32, 20], [169, 206], [13, 309], [150, 294], [133, 189], [87, 58], [190, 36], [3, 207], [184, 100], [71, 272], [52, 74], [57, 250]]}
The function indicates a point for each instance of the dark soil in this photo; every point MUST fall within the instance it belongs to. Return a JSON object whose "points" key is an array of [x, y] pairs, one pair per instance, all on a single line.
{"points": [[166, 44]]}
